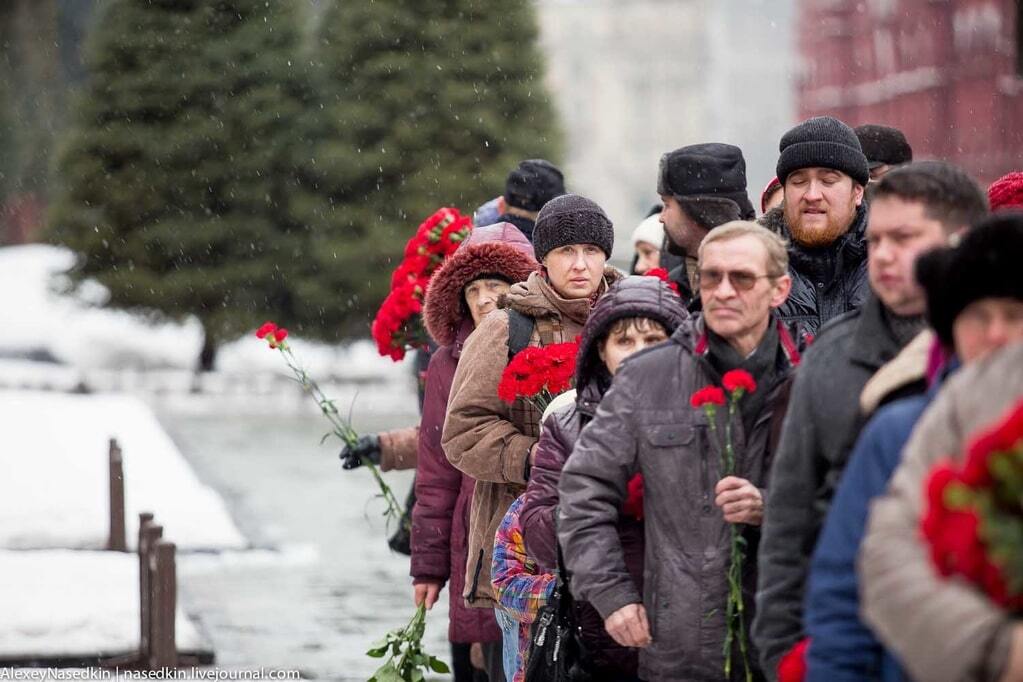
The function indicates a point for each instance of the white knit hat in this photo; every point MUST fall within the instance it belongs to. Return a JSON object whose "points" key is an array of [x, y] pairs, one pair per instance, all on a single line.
{"points": [[650, 231]]}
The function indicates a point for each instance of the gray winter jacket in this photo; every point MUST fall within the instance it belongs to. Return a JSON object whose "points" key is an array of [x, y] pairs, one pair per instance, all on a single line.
{"points": [[820, 430], [826, 282], [645, 423]]}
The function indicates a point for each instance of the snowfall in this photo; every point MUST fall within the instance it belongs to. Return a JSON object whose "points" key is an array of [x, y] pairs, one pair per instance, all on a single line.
{"points": [[70, 379]]}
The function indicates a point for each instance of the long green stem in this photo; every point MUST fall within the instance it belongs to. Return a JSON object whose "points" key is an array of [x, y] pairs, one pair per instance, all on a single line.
{"points": [[344, 431], [735, 610]]}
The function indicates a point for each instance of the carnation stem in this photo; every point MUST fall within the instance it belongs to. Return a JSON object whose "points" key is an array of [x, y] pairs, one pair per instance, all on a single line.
{"points": [[344, 431]]}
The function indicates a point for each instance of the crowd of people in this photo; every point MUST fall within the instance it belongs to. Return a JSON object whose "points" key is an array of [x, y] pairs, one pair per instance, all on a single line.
{"points": [[874, 312]]}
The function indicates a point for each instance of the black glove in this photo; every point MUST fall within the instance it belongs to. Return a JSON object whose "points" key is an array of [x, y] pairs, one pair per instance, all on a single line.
{"points": [[367, 446]]}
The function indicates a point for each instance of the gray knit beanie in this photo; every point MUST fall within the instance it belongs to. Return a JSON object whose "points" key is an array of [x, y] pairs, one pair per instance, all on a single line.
{"points": [[822, 142], [571, 219]]}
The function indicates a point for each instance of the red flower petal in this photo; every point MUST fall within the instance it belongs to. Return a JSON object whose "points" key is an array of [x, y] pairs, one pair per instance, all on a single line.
{"points": [[792, 667], [708, 395], [739, 379], [266, 328]]}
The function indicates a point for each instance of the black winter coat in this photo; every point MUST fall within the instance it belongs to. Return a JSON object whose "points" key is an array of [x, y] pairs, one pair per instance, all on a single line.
{"points": [[525, 225], [819, 432], [826, 282]]}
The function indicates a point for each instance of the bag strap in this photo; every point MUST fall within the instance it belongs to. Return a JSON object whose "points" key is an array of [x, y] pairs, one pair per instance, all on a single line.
{"points": [[566, 600], [520, 331]]}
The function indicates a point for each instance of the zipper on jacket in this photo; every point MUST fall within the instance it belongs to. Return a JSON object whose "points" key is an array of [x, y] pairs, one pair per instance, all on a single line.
{"points": [[475, 579]]}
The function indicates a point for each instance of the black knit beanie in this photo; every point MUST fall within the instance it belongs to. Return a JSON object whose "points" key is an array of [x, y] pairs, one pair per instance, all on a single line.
{"points": [[822, 142], [571, 219], [532, 184], [985, 264]]}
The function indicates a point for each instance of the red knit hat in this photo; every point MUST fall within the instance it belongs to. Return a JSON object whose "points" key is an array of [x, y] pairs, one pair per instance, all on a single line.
{"points": [[1006, 192], [768, 191]]}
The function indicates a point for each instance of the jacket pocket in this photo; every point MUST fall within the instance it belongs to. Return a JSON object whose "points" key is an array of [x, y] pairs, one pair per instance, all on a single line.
{"points": [[669, 435], [471, 596]]}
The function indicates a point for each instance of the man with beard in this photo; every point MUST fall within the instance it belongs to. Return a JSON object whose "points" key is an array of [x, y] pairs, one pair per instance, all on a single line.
{"points": [[916, 208], [701, 186], [823, 171]]}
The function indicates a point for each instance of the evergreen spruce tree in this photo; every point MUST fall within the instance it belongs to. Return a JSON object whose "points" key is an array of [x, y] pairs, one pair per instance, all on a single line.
{"points": [[178, 173], [428, 104]]}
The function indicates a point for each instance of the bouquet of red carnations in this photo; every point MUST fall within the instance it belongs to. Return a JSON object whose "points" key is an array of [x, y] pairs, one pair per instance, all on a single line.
{"points": [[398, 324], [973, 519], [538, 374]]}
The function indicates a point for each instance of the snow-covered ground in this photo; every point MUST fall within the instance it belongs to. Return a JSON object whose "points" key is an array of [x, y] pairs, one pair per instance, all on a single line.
{"points": [[74, 604], [321, 587], [54, 475]]}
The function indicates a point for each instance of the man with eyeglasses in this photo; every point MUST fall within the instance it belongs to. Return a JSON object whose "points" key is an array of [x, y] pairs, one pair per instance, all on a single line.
{"points": [[646, 424], [915, 208]]}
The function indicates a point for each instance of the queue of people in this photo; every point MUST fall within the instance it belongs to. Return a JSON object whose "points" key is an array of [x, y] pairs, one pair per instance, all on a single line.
{"points": [[875, 313]]}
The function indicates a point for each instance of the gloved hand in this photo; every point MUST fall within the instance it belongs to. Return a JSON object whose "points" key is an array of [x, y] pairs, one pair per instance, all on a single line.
{"points": [[367, 446]]}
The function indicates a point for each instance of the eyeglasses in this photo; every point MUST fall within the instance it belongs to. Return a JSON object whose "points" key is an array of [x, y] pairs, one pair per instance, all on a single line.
{"points": [[740, 280]]}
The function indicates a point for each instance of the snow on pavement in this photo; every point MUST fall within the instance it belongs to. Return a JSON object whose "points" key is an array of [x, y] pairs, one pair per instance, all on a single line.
{"points": [[74, 604], [54, 475]]}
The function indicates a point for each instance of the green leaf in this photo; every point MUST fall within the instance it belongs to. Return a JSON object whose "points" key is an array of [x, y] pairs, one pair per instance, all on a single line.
{"points": [[438, 666], [387, 673]]}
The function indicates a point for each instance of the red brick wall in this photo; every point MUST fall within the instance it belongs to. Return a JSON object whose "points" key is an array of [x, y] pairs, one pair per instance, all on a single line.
{"points": [[943, 72]]}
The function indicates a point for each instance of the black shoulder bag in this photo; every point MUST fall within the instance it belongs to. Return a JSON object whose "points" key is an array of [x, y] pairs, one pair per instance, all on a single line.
{"points": [[557, 653]]}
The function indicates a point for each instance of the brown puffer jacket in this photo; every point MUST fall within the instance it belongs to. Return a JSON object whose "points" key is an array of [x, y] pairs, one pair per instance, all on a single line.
{"points": [[942, 630], [645, 423], [489, 439]]}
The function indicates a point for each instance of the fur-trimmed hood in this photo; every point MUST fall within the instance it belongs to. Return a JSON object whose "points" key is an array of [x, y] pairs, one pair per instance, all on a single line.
{"points": [[499, 249]]}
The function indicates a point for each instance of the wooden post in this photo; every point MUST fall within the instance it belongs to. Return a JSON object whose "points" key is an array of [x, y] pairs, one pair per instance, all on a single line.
{"points": [[163, 653], [149, 535], [117, 539]]}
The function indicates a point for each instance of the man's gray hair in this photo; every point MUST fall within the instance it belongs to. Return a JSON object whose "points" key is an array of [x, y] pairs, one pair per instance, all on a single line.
{"points": [[777, 251]]}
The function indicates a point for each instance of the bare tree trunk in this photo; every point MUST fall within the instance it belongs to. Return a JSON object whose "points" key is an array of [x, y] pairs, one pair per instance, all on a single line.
{"points": [[208, 354]]}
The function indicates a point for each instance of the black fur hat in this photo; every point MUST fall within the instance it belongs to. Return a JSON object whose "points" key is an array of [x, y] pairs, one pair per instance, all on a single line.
{"points": [[709, 181], [985, 264]]}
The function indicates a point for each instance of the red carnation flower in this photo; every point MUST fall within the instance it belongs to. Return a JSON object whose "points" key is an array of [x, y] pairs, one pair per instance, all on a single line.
{"points": [[539, 373], [739, 380], [708, 395], [266, 328], [280, 334], [662, 274], [633, 505]]}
